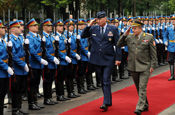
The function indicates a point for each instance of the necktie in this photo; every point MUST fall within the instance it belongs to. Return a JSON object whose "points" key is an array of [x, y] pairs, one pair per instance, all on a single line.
{"points": [[102, 32]]}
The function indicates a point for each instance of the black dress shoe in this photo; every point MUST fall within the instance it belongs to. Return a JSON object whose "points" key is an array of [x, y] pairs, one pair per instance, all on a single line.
{"points": [[23, 112], [48, 102], [66, 97], [33, 107], [60, 98], [95, 87], [77, 95], [86, 90], [38, 95], [90, 88], [71, 95], [55, 102], [81, 91], [24, 98], [145, 109], [171, 78], [104, 106], [138, 112], [15, 111], [99, 85], [5, 106], [41, 106]]}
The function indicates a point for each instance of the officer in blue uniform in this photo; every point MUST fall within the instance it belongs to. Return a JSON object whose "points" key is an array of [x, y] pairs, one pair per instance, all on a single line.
{"points": [[20, 67], [49, 77], [74, 56], [104, 37], [36, 63], [5, 70], [169, 41], [64, 60]]}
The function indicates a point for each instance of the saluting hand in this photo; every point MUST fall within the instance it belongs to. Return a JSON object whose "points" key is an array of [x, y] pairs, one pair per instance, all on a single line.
{"points": [[92, 22], [128, 31]]}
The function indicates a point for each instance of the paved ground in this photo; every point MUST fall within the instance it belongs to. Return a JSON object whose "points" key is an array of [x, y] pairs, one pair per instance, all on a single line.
{"points": [[64, 106]]}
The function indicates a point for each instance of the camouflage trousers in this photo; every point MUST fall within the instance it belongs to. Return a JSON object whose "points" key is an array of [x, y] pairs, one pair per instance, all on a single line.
{"points": [[141, 79]]}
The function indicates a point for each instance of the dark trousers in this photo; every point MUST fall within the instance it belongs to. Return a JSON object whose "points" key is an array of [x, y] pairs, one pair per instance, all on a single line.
{"points": [[104, 73], [49, 77], [4, 85], [61, 74], [35, 81], [20, 85], [82, 69]]}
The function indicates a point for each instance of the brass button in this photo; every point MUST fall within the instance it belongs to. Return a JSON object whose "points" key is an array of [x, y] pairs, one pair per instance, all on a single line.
{"points": [[135, 57]]}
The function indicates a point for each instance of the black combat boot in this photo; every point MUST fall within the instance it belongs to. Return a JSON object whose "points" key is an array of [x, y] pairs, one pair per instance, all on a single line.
{"points": [[172, 73]]}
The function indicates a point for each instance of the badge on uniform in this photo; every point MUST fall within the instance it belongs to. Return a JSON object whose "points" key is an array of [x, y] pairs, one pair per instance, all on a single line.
{"points": [[110, 39], [110, 33], [15, 39], [94, 34], [145, 40], [46, 35], [33, 36]]}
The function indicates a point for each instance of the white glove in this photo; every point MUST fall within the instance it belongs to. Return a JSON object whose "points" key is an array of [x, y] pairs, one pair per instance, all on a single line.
{"points": [[157, 41], [161, 27], [156, 28], [166, 43], [57, 38], [123, 47], [56, 61], [69, 40], [9, 44], [89, 53], [148, 28], [68, 59], [160, 41], [78, 37], [26, 68], [153, 28], [78, 57], [123, 30], [26, 41], [143, 29], [44, 62], [166, 26], [10, 71], [44, 39]]}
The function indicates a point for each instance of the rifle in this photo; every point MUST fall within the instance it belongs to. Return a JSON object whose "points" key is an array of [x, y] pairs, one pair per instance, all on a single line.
{"points": [[57, 46], [26, 47], [148, 31], [68, 44], [10, 63], [78, 42], [89, 40], [46, 68]]}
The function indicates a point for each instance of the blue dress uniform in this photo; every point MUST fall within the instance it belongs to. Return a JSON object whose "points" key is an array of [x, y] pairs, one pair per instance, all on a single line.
{"points": [[102, 53], [49, 77], [35, 59], [169, 40], [4, 78], [18, 88]]}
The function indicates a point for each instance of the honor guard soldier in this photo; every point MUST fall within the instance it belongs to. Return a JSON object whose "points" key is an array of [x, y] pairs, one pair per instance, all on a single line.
{"points": [[124, 50], [5, 70], [49, 77], [64, 60], [21, 69], [36, 62], [141, 60], [169, 40], [104, 37], [74, 56]]}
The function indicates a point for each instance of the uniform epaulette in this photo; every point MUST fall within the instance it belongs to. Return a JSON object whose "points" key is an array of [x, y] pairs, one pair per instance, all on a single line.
{"points": [[149, 34]]}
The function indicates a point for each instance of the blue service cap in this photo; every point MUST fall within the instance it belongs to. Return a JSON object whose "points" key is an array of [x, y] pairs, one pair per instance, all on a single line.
{"points": [[101, 14]]}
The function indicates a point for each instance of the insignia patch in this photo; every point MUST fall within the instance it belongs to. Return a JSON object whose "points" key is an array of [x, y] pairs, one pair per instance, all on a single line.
{"points": [[110, 39], [145, 40], [15, 39], [110, 33], [154, 43], [46, 35], [94, 34], [33, 36]]}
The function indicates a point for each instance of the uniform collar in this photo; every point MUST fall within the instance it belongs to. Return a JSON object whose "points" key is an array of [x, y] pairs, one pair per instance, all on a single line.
{"points": [[14, 36], [59, 33], [34, 33]]}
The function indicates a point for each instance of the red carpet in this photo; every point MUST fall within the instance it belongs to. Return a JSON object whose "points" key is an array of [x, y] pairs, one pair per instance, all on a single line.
{"points": [[160, 93]]}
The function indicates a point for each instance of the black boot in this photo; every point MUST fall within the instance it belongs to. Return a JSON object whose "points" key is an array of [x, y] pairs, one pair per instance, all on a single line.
{"points": [[72, 86], [50, 94], [82, 84], [19, 104], [47, 100], [15, 110], [172, 73], [80, 89], [58, 92], [31, 104], [88, 81], [69, 90], [1, 106], [62, 91], [35, 99]]}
